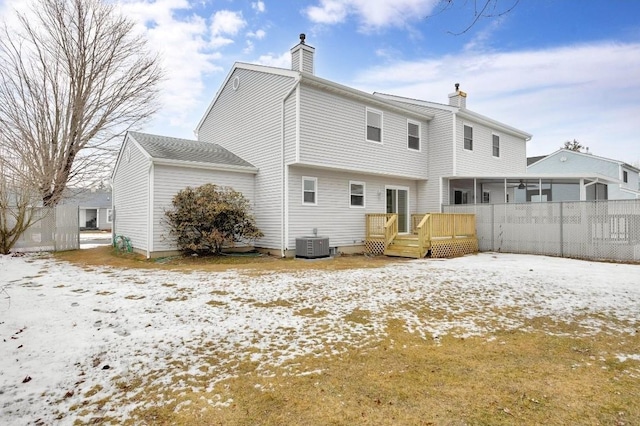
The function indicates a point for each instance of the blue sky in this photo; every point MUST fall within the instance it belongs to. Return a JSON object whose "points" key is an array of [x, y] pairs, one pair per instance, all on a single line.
{"points": [[558, 69]]}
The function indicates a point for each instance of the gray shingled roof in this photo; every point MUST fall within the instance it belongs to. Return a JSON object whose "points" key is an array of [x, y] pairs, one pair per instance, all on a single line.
{"points": [[531, 160], [187, 150]]}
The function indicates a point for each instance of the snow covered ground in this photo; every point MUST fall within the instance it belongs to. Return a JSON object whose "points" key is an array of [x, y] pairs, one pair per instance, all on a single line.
{"points": [[67, 332]]}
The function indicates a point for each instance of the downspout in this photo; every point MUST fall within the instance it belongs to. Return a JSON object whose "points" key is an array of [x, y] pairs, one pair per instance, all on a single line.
{"points": [[150, 212], [284, 220]]}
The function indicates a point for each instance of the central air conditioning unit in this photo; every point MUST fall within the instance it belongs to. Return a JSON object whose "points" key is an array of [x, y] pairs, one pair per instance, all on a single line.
{"points": [[312, 247]]}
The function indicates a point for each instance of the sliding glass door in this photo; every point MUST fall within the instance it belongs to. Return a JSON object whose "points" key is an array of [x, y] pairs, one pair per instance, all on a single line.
{"points": [[398, 202]]}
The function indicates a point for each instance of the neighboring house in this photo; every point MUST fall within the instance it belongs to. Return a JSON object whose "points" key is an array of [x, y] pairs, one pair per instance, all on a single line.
{"points": [[316, 157], [620, 181], [94, 207]]}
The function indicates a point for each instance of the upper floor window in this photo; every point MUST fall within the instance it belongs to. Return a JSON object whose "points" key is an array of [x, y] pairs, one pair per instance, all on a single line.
{"points": [[468, 138], [374, 125], [625, 176], [496, 146], [309, 190], [413, 135], [356, 194]]}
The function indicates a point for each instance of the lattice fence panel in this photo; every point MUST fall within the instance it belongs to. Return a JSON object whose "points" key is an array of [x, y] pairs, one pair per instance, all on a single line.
{"points": [[374, 246], [603, 230], [453, 248]]}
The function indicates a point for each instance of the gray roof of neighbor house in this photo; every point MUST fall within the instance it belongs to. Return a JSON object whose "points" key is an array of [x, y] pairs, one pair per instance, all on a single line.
{"points": [[531, 160], [164, 147], [87, 197]]}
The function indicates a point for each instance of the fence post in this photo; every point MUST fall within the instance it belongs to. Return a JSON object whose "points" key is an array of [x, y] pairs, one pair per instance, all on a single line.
{"points": [[561, 230], [493, 227]]}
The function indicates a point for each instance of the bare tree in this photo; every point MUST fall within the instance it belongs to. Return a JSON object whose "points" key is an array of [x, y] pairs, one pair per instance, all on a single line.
{"points": [[574, 145], [74, 76], [481, 9], [18, 204]]}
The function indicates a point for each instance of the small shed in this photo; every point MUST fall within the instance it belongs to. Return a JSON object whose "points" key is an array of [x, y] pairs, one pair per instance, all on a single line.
{"points": [[151, 169]]}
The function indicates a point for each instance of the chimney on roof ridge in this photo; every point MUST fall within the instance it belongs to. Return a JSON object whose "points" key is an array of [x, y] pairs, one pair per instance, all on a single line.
{"points": [[302, 56], [458, 98]]}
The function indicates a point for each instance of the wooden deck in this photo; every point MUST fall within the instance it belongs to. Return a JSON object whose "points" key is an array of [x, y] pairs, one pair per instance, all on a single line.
{"points": [[440, 234]]}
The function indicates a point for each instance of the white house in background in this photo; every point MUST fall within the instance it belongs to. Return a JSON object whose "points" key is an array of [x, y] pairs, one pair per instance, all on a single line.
{"points": [[314, 157], [620, 181], [94, 207]]}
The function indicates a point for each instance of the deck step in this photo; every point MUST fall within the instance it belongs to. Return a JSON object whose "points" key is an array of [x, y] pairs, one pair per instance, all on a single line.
{"points": [[403, 251]]}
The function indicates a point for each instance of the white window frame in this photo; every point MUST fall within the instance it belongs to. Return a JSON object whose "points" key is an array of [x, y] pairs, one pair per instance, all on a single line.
{"points": [[415, 123], [464, 139], [364, 192], [366, 125], [493, 147], [486, 197], [315, 190], [625, 176], [109, 216]]}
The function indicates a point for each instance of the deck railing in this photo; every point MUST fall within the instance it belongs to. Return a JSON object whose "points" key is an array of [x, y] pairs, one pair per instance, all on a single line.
{"points": [[390, 230], [428, 229]]}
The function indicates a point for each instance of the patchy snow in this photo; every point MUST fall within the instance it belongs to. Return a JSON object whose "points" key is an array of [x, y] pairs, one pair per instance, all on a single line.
{"points": [[65, 329]]}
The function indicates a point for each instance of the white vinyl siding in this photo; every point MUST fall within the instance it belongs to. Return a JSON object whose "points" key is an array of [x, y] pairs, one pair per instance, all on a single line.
{"points": [[131, 197], [374, 125], [258, 101], [356, 194], [468, 137], [333, 217], [309, 190], [413, 135], [169, 180], [481, 161], [495, 148], [333, 134]]}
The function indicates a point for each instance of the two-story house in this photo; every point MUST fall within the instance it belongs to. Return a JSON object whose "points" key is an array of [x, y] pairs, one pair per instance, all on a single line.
{"points": [[313, 156]]}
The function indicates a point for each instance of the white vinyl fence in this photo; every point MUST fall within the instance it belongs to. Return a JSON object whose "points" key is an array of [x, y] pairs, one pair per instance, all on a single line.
{"points": [[599, 230], [57, 230]]}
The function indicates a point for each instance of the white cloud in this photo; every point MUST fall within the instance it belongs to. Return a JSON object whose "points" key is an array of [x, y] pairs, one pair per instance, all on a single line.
{"points": [[281, 61], [589, 92], [259, 34], [227, 22], [248, 47], [372, 14], [258, 6], [187, 54]]}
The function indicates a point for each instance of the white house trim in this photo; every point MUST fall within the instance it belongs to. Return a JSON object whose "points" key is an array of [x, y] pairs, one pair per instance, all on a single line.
{"points": [[284, 171], [150, 212], [208, 166], [357, 170]]}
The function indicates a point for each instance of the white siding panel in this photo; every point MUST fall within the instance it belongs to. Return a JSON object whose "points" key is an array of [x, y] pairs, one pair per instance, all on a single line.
{"points": [[248, 122], [131, 197], [480, 161], [333, 216], [333, 133], [439, 151], [169, 180]]}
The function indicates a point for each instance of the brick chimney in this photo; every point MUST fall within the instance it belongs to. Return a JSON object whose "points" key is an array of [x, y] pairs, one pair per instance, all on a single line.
{"points": [[302, 56], [458, 98]]}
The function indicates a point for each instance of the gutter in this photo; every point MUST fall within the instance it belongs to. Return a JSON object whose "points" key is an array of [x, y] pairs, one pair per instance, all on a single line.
{"points": [[284, 224]]}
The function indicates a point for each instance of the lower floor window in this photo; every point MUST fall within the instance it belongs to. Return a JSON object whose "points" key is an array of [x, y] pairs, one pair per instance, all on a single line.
{"points": [[309, 190], [356, 194]]}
